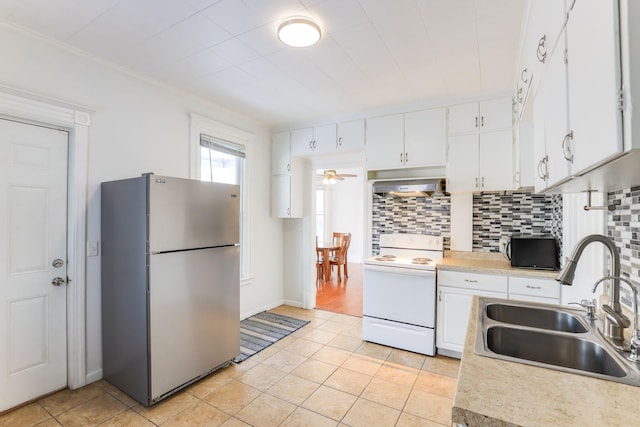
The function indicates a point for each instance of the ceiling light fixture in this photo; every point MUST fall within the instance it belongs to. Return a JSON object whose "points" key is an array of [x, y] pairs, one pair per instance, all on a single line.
{"points": [[329, 181], [299, 31]]}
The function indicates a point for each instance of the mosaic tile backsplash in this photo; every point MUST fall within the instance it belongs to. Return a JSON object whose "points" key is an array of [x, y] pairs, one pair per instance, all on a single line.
{"points": [[495, 217], [623, 226], [418, 215], [498, 215]]}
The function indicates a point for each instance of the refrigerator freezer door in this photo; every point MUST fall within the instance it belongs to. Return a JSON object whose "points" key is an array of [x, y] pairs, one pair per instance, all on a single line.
{"points": [[194, 318], [188, 214]]}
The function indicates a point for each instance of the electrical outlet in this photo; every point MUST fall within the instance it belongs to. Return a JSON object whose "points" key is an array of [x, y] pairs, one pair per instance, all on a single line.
{"points": [[93, 248]]}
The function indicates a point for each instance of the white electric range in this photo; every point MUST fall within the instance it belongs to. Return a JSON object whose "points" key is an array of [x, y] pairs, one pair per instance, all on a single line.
{"points": [[399, 292]]}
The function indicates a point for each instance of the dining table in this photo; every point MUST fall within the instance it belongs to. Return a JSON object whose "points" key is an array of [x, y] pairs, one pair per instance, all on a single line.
{"points": [[326, 249]]}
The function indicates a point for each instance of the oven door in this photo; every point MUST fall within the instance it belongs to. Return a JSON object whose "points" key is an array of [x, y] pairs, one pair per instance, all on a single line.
{"points": [[400, 294]]}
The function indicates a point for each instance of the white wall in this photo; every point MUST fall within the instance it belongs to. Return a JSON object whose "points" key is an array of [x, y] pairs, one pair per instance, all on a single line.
{"points": [[347, 210], [576, 224], [141, 127]]}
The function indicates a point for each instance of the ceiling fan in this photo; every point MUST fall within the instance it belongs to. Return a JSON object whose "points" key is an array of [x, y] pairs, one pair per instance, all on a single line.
{"points": [[330, 176]]}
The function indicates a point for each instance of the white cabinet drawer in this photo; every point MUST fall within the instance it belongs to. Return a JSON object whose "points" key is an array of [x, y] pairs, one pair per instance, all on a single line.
{"points": [[545, 288], [399, 335], [485, 282]]}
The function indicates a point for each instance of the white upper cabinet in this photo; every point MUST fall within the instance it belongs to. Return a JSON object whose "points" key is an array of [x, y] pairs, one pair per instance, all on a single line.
{"points": [[281, 153], [577, 112], [411, 140], [480, 146], [545, 21], [594, 82], [495, 168], [286, 178], [557, 134], [286, 195], [425, 137], [480, 116], [351, 135], [385, 142], [477, 162], [464, 118], [317, 140], [463, 169]]}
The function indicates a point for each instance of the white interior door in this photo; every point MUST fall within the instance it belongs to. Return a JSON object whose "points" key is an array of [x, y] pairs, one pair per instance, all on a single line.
{"points": [[33, 252]]}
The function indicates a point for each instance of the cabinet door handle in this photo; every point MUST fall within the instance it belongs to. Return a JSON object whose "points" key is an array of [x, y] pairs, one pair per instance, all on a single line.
{"points": [[481, 121], [540, 174], [541, 52], [401, 154], [470, 281], [340, 141], [482, 182], [534, 287], [477, 182], [311, 145], [543, 173], [288, 211], [440, 296], [406, 158], [476, 121], [288, 167], [524, 76], [566, 147]]}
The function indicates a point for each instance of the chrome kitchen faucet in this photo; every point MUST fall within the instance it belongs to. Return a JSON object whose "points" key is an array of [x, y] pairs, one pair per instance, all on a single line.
{"points": [[615, 321]]}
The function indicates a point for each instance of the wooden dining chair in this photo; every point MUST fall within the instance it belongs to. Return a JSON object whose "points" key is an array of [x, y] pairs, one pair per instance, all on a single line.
{"points": [[319, 263], [338, 239], [340, 257]]}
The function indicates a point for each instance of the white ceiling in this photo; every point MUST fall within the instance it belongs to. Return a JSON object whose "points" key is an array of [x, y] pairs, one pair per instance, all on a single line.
{"points": [[373, 53]]}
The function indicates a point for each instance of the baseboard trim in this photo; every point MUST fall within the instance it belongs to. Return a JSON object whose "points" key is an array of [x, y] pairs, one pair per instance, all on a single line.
{"points": [[94, 376]]}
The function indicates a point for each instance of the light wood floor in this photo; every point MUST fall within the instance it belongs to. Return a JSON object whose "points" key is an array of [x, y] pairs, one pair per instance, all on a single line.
{"points": [[341, 296]]}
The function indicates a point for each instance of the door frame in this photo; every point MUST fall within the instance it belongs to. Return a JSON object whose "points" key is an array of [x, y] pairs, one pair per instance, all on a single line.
{"points": [[32, 109]]}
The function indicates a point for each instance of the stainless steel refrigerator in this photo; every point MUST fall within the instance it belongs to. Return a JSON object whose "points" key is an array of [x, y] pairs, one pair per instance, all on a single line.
{"points": [[170, 282]]}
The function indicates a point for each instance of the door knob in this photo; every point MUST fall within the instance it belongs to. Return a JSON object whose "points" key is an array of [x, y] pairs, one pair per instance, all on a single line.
{"points": [[58, 281], [57, 263]]}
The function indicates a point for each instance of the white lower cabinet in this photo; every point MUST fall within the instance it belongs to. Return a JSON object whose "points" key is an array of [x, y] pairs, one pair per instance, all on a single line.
{"points": [[454, 306], [455, 295]]}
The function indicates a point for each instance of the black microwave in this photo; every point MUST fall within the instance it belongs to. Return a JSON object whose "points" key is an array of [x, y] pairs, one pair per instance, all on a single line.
{"points": [[540, 253]]}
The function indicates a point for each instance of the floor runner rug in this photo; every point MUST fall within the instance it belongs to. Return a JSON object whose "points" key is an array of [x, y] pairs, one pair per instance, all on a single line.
{"points": [[263, 329]]}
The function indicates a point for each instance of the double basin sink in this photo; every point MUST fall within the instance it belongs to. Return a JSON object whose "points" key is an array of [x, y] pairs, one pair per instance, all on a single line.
{"points": [[549, 336]]}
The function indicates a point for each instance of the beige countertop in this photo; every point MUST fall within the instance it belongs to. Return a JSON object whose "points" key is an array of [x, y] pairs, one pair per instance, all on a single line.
{"points": [[492, 392], [488, 263]]}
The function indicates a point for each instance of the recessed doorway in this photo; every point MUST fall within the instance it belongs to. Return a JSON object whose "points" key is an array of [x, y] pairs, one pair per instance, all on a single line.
{"points": [[340, 208]]}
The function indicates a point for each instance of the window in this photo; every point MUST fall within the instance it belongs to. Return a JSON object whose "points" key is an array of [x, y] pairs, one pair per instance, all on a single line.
{"points": [[223, 161], [320, 216], [220, 155]]}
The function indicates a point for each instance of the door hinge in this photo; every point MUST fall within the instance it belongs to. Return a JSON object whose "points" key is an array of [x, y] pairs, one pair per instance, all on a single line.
{"points": [[621, 100]]}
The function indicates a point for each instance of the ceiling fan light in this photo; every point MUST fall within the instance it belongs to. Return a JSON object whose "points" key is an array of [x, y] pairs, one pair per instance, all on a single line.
{"points": [[299, 31]]}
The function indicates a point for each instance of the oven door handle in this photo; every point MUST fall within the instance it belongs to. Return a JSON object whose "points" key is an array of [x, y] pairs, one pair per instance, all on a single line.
{"points": [[400, 270]]}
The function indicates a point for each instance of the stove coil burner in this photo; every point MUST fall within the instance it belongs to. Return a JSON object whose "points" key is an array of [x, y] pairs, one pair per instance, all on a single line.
{"points": [[386, 258], [422, 261]]}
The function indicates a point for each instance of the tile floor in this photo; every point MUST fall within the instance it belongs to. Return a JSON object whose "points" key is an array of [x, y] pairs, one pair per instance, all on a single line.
{"points": [[321, 375]]}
